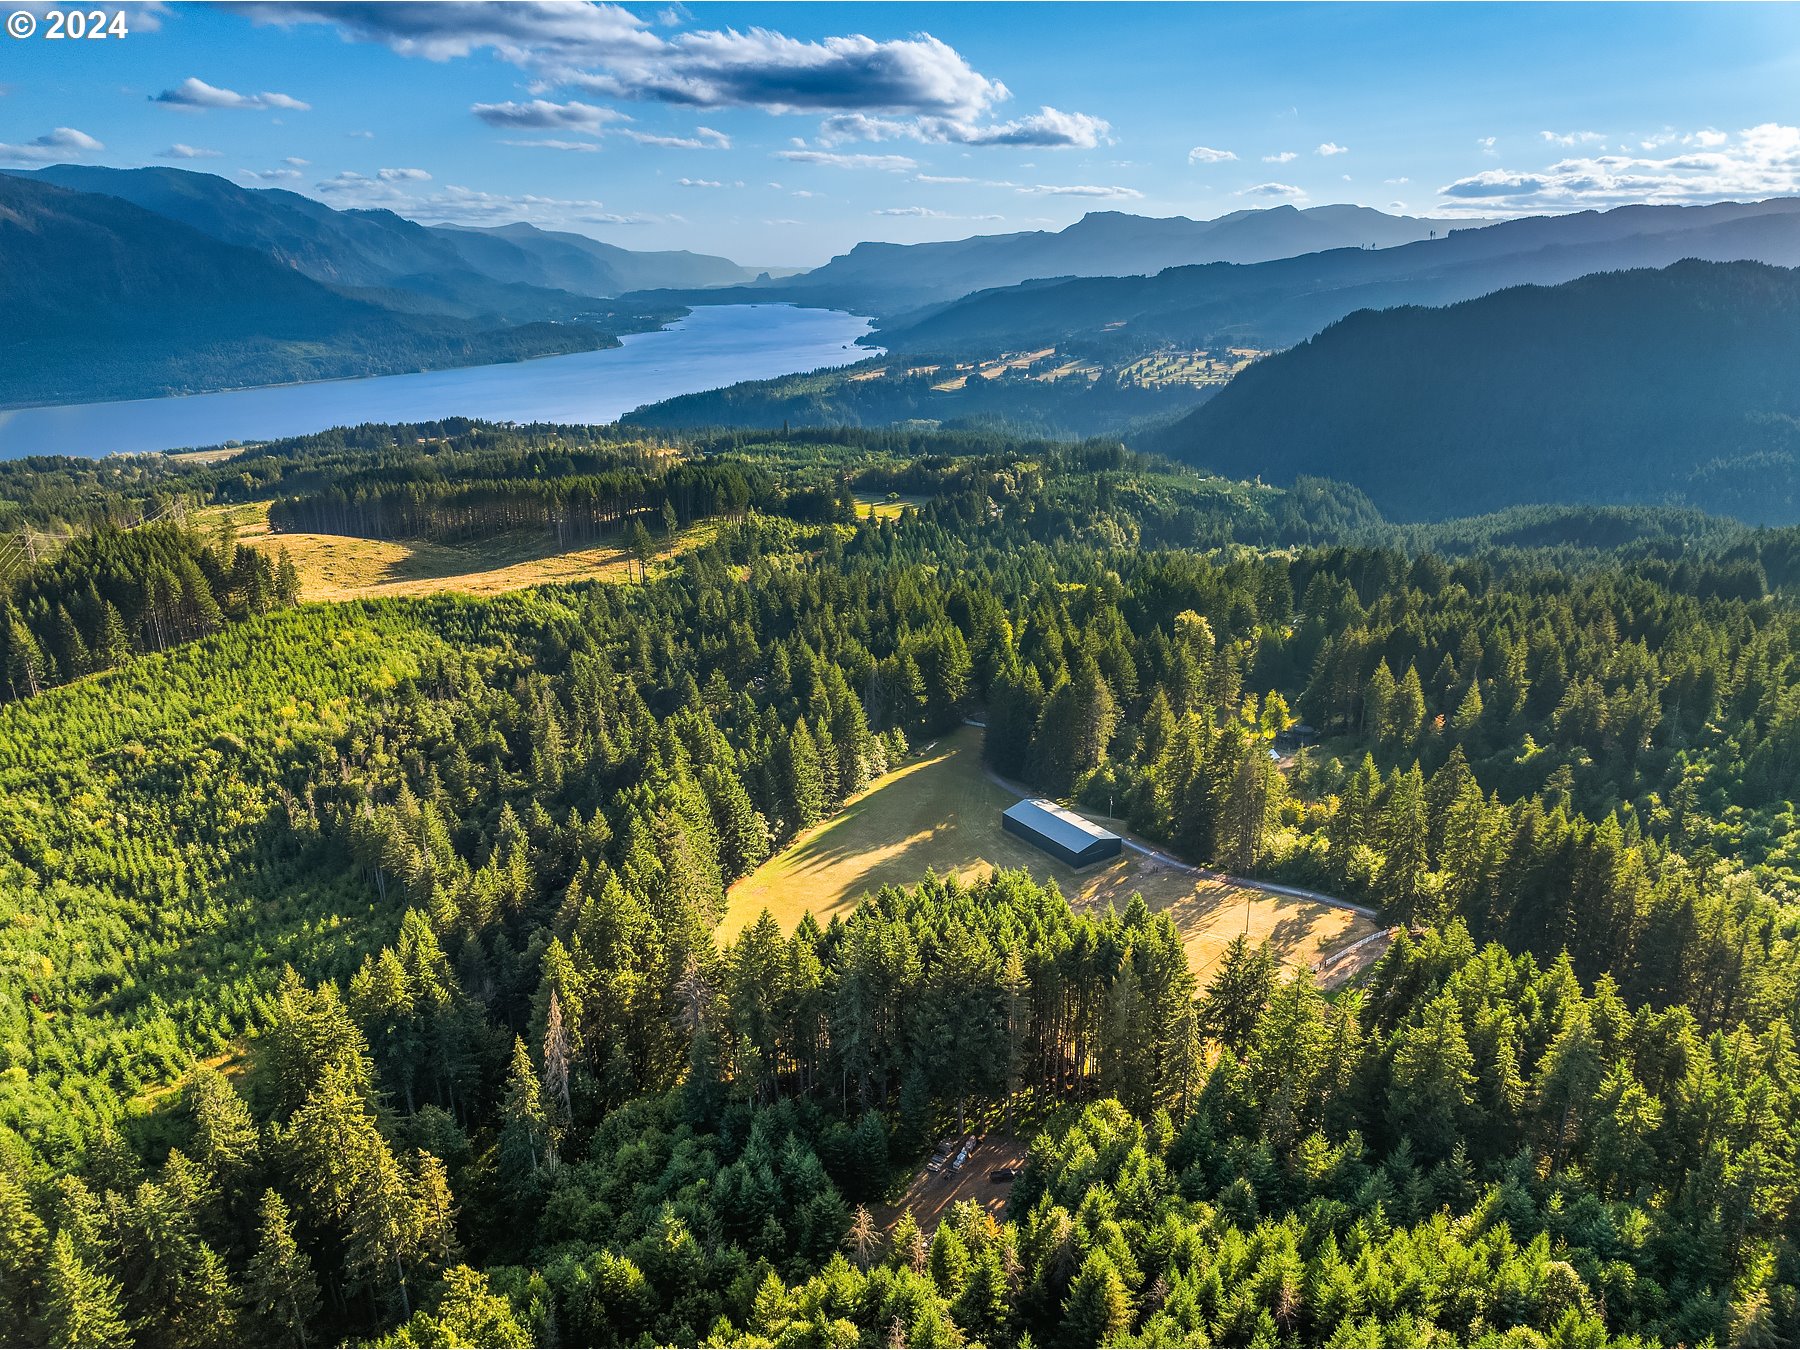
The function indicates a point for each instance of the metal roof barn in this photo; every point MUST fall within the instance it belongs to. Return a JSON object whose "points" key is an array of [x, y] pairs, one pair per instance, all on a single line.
{"points": [[1060, 832]]}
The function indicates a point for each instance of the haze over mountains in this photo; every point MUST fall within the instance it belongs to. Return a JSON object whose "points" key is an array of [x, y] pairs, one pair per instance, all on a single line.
{"points": [[135, 283], [1278, 303], [1672, 387], [885, 278], [125, 283]]}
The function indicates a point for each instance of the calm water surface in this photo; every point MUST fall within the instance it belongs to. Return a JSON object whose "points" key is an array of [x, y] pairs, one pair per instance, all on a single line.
{"points": [[714, 346]]}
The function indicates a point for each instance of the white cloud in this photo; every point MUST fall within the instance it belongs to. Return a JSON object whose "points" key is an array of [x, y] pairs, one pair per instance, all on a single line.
{"points": [[1762, 161], [360, 135], [403, 176], [584, 147], [272, 175], [1330, 148], [701, 183], [1572, 137], [889, 163], [607, 50], [920, 211], [704, 138], [467, 206], [1047, 129], [1082, 190], [1205, 154], [294, 161], [180, 151], [441, 29], [198, 94], [1486, 143], [1282, 157], [57, 144], [1274, 192], [541, 114]]}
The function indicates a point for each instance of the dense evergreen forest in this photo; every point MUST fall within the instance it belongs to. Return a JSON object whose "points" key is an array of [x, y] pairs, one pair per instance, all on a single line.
{"points": [[115, 593], [873, 395], [368, 987]]}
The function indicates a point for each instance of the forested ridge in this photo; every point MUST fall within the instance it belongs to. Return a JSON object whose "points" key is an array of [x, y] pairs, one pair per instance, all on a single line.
{"points": [[369, 988], [1667, 387]]}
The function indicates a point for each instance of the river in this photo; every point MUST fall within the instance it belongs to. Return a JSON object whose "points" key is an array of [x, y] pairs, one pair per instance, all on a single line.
{"points": [[713, 346]]}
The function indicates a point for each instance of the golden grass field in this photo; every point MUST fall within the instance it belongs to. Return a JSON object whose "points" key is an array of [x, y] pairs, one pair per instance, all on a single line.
{"points": [[940, 811], [887, 510], [341, 567]]}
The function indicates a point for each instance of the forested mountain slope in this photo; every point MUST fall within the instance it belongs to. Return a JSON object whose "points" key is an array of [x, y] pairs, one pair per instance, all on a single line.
{"points": [[1274, 304], [379, 248], [1676, 386], [511, 1090], [106, 300], [885, 277]]}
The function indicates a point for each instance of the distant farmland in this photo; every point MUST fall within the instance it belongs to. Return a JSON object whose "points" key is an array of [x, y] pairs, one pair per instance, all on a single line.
{"points": [[941, 812]]}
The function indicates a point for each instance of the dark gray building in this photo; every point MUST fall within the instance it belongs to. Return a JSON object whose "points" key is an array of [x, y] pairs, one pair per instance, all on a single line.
{"points": [[1060, 833]]}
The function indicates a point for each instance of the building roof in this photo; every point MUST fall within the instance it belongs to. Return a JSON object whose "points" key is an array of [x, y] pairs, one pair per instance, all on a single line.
{"points": [[1058, 823]]}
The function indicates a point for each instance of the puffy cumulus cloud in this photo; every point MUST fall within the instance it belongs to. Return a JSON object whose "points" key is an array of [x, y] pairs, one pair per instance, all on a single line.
{"points": [[271, 175], [1285, 192], [1761, 161], [57, 144], [1281, 157], [542, 115], [610, 51], [831, 159], [199, 95], [1205, 154], [180, 151], [438, 30], [768, 70], [707, 183], [403, 176], [1330, 148], [1082, 190], [1047, 129]]}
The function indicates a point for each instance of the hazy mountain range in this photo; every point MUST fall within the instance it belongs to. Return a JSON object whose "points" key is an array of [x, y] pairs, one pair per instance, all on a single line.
{"points": [[134, 282], [1677, 387], [138, 282], [1277, 303], [883, 278]]}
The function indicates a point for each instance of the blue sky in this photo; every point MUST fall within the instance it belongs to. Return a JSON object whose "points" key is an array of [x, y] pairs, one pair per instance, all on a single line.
{"points": [[782, 134]]}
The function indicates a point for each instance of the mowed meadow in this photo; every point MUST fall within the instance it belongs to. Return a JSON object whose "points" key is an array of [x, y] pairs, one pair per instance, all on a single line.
{"points": [[345, 567], [940, 813]]}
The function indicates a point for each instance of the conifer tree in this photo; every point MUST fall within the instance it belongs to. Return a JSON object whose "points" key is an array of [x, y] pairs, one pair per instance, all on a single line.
{"points": [[82, 1305], [280, 1290]]}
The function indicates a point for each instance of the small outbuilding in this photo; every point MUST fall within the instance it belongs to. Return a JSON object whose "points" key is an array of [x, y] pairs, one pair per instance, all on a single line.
{"points": [[1061, 833]]}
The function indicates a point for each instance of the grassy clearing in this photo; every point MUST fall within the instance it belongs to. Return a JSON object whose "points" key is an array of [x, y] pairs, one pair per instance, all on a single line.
{"points": [[341, 567], [941, 812], [884, 509]]}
